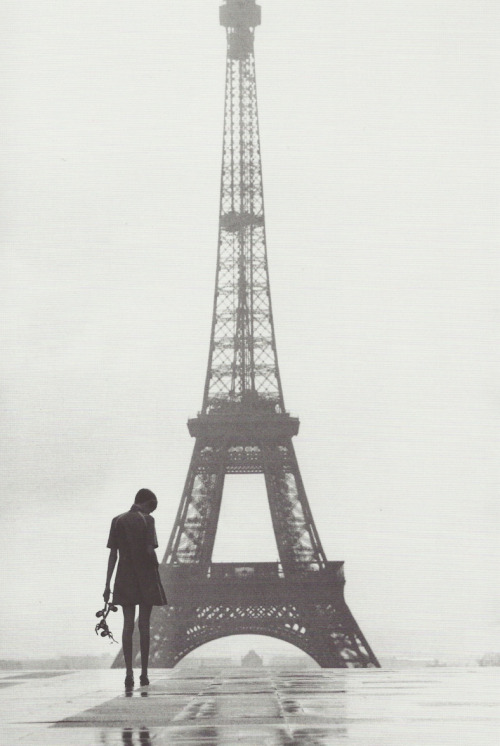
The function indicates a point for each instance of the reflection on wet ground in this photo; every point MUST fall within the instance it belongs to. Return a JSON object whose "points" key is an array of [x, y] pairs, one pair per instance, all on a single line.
{"points": [[38, 674], [143, 737], [11, 679], [259, 707]]}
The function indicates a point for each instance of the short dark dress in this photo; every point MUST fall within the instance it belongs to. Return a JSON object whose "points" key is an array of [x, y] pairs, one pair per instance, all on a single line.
{"points": [[137, 578]]}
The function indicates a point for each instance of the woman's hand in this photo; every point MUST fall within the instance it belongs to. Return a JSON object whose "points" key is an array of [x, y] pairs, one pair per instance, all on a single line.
{"points": [[106, 594]]}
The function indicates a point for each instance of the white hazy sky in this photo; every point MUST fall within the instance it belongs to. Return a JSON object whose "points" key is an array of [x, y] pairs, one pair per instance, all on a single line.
{"points": [[379, 128]]}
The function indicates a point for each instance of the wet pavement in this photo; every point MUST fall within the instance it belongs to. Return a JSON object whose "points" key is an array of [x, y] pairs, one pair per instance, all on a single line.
{"points": [[254, 707]]}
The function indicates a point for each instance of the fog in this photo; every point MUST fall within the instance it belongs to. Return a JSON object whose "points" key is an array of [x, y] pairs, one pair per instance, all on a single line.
{"points": [[379, 132]]}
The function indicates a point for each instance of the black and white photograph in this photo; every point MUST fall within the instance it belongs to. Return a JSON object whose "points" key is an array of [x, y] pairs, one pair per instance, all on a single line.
{"points": [[249, 372]]}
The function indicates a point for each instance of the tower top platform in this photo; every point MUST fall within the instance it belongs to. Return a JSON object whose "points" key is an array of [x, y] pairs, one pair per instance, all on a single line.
{"points": [[240, 14]]}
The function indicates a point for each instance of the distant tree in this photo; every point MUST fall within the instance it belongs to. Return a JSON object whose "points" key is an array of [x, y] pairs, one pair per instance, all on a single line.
{"points": [[490, 659]]}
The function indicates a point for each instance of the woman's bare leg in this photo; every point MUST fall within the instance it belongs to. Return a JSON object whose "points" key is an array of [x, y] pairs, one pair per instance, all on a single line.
{"points": [[128, 631], [144, 618]]}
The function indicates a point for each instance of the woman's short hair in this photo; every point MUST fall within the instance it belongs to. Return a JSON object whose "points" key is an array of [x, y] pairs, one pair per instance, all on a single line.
{"points": [[145, 496]]}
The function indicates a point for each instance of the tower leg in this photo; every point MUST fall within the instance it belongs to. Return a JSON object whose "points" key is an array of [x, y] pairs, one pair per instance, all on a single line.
{"points": [[193, 535], [296, 535]]}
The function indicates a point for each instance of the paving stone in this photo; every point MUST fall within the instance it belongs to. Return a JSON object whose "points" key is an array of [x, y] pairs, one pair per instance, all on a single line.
{"points": [[260, 708]]}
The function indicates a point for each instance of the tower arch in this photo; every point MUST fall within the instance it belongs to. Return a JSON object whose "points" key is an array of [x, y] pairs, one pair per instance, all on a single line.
{"points": [[212, 636]]}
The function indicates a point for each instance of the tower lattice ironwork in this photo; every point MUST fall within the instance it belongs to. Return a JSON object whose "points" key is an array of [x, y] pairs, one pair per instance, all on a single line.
{"points": [[243, 428]]}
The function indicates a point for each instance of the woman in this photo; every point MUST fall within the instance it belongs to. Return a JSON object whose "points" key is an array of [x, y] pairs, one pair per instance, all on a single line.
{"points": [[132, 539]]}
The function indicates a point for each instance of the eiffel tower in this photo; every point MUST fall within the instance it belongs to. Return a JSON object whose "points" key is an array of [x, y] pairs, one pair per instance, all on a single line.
{"points": [[243, 428]]}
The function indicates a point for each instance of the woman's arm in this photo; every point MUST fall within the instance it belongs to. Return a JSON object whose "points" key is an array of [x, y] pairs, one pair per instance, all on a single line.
{"points": [[151, 540], [152, 554], [113, 554]]}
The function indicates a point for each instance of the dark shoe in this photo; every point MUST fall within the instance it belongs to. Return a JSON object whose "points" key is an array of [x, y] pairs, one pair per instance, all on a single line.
{"points": [[129, 683], [144, 680]]}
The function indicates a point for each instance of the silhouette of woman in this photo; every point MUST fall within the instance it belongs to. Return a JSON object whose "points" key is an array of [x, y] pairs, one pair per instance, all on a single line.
{"points": [[132, 540]]}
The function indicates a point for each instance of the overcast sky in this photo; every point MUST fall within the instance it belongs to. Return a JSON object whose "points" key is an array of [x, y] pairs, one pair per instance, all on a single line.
{"points": [[379, 130]]}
